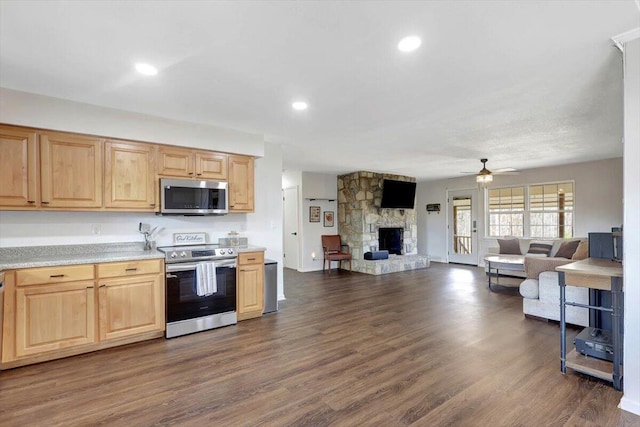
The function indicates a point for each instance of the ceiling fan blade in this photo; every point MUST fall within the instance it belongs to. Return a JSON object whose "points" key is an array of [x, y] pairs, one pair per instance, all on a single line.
{"points": [[504, 170], [507, 173]]}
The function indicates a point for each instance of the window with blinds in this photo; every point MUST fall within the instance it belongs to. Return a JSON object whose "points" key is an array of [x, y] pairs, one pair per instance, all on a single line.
{"points": [[506, 211], [536, 210], [551, 210]]}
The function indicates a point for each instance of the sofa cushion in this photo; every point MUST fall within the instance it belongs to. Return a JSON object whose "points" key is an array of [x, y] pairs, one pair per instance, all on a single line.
{"points": [[582, 252], [530, 288], [533, 266], [537, 247], [509, 246], [567, 249]]}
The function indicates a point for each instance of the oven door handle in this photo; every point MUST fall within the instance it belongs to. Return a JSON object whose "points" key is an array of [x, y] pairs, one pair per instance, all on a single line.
{"points": [[171, 268]]}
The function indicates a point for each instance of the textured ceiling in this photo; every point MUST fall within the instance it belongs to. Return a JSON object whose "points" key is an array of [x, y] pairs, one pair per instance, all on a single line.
{"points": [[526, 83]]}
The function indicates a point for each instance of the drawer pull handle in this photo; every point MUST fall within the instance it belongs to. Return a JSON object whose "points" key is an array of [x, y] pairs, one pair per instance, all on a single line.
{"points": [[31, 201], [45, 203], [54, 276], [131, 269], [102, 286], [153, 205], [251, 259]]}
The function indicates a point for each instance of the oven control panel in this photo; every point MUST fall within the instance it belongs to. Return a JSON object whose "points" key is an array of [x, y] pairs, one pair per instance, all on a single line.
{"points": [[177, 254]]}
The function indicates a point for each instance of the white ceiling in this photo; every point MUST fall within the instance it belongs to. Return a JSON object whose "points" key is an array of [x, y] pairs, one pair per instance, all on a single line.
{"points": [[526, 83]]}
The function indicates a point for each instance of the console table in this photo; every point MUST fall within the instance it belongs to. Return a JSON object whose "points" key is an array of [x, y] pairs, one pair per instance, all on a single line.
{"points": [[602, 274]]}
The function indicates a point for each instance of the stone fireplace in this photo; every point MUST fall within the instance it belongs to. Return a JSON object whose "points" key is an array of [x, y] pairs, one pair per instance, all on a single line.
{"points": [[360, 220]]}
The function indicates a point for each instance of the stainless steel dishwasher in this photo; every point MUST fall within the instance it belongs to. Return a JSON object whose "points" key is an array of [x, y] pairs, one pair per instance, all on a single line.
{"points": [[270, 286]]}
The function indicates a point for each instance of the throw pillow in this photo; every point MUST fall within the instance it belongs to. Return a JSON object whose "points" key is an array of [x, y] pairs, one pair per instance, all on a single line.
{"points": [[543, 248], [582, 252], [509, 246], [567, 249]]}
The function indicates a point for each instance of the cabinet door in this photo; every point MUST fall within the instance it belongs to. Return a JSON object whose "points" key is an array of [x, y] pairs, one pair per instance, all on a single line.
{"points": [[18, 168], [240, 184], [54, 317], [250, 291], [130, 306], [71, 171], [211, 165], [129, 176], [174, 161]]}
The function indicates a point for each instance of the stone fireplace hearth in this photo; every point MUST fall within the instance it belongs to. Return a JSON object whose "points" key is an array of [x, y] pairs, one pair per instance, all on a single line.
{"points": [[360, 220]]}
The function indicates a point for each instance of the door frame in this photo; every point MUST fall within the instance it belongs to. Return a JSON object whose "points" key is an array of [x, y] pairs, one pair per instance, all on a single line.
{"points": [[475, 195], [296, 256]]}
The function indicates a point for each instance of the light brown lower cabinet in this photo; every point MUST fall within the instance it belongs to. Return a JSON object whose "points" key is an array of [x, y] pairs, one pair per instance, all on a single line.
{"points": [[54, 312], [54, 317], [133, 303], [250, 285]]}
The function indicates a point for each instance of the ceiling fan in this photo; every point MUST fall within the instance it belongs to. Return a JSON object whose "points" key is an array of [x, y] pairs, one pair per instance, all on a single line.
{"points": [[485, 176]]}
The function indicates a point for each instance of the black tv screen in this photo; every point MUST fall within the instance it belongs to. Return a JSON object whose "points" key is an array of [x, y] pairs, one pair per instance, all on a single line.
{"points": [[398, 194]]}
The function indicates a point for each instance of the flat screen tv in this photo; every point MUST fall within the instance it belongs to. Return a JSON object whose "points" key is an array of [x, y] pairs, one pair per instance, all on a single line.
{"points": [[398, 194]]}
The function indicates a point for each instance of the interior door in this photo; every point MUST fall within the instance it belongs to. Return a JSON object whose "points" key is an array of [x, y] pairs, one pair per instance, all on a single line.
{"points": [[462, 226], [290, 227]]}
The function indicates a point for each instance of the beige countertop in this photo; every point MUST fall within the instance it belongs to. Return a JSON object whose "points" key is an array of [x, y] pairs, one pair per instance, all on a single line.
{"points": [[47, 256]]}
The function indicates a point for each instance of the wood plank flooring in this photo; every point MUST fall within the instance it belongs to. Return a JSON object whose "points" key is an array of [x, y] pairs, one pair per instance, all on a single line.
{"points": [[427, 347]]}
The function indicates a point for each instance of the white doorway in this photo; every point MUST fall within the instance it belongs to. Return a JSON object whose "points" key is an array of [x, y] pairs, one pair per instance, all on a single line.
{"points": [[290, 227], [462, 230]]}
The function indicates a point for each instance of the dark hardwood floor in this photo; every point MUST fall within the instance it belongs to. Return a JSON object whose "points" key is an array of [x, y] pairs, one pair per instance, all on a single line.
{"points": [[429, 347]]}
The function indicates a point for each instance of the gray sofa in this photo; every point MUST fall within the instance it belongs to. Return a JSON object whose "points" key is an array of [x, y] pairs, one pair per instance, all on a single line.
{"points": [[540, 291]]}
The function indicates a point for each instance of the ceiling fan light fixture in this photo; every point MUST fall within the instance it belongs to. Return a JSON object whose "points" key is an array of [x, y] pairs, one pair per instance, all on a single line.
{"points": [[484, 179]]}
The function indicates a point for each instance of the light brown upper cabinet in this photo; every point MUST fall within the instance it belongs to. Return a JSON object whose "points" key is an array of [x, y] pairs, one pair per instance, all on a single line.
{"points": [[241, 189], [19, 175], [70, 170], [187, 163], [129, 176]]}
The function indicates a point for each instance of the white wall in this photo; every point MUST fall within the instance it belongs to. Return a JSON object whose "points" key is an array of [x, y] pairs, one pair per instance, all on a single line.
{"points": [[27, 109], [631, 239], [262, 228], [598, 187]]}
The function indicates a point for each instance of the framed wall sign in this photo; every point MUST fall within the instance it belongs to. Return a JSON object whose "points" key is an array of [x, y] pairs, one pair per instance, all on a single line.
{"points": [[189, 238], [314, 213], [328, 218]]}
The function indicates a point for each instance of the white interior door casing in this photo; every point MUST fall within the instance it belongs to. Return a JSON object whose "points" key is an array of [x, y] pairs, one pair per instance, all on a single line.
{"points": [[462, 226], [290, 227]]}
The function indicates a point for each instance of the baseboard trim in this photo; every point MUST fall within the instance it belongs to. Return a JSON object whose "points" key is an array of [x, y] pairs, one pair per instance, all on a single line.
{"points": [[629, 405]]}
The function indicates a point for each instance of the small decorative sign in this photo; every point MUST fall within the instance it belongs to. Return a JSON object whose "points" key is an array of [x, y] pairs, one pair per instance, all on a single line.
{"points": [[189, 238]]}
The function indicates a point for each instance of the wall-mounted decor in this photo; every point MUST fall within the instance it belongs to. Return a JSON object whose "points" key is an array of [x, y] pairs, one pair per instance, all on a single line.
{"points": [[328, 218], [433, 207], [314, 213], [189, 238]]}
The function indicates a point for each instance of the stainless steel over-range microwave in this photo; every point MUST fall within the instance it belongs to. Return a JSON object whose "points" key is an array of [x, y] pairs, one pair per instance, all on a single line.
{"points": [[191, 197]]}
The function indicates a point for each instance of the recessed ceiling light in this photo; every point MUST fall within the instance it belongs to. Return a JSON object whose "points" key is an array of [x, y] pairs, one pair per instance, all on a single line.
{"points": [[146, 69], [409, 44], [299, 106]]}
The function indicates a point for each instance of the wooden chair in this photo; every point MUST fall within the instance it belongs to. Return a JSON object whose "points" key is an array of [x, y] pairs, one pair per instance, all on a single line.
{"points": [[333, 251]]}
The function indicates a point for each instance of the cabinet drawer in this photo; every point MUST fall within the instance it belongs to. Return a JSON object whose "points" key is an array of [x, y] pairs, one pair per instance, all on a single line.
{"points": [[67, 273], [251, 258], [129, 268]]}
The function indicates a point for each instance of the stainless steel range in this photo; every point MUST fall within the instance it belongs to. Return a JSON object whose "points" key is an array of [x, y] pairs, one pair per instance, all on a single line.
{"points": [[191, 306]]}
